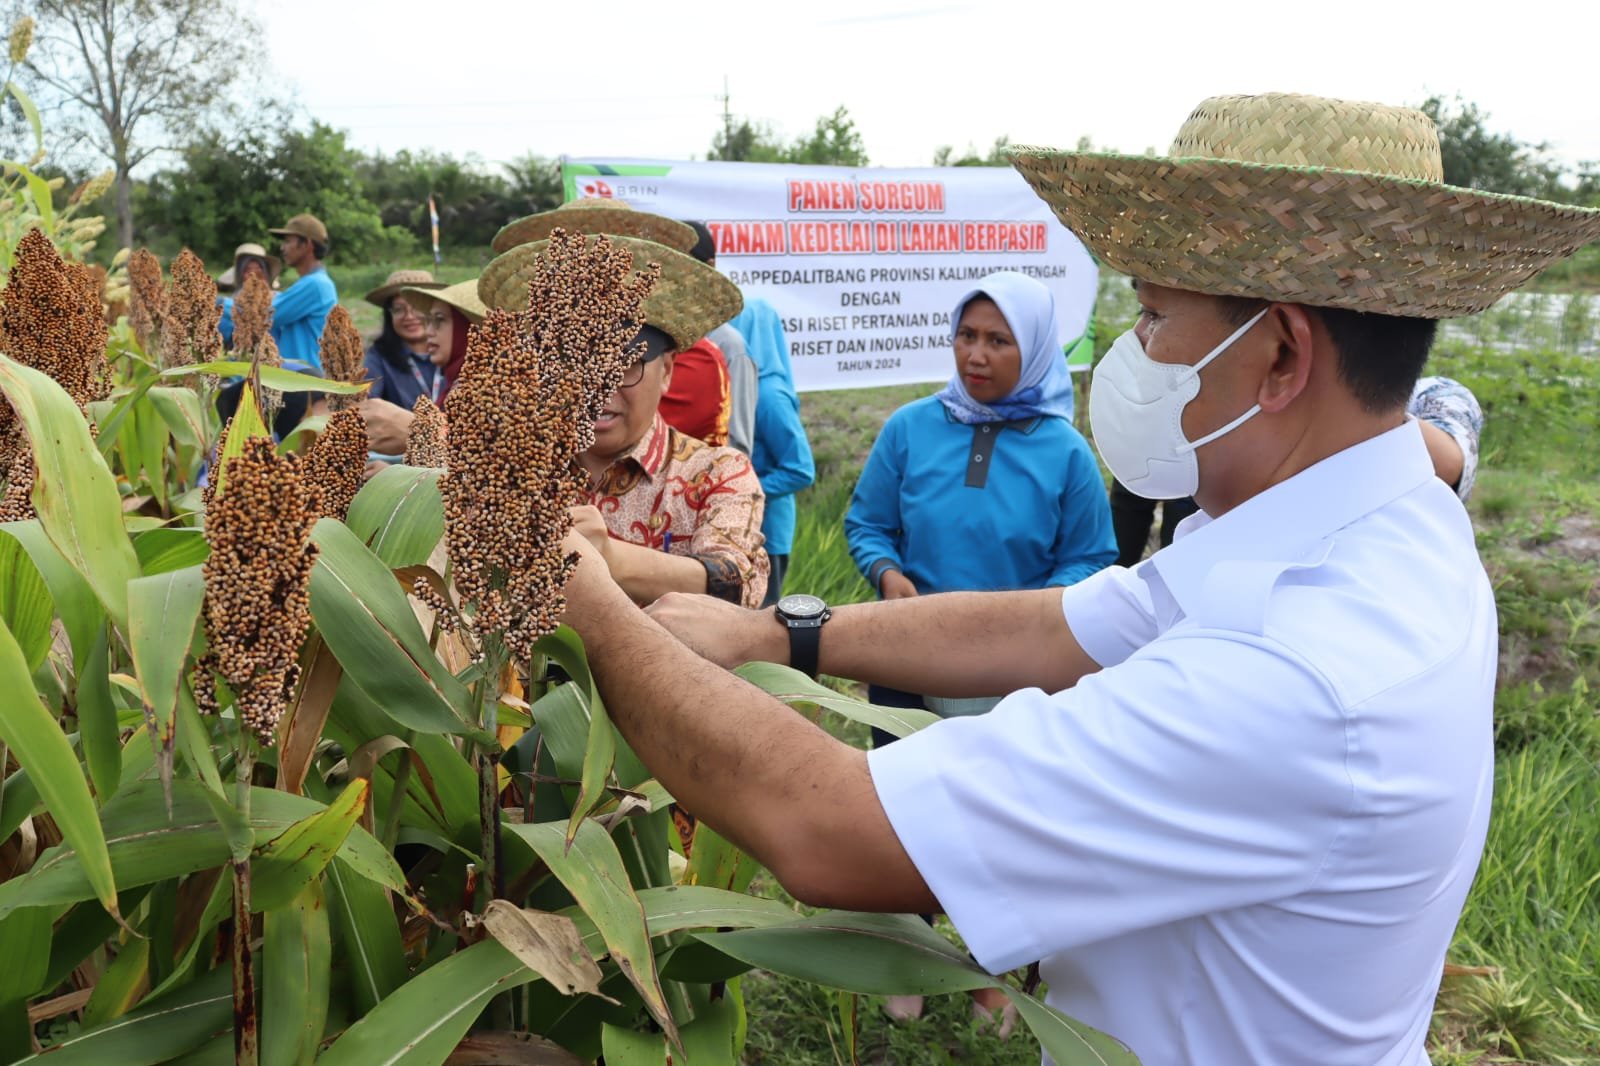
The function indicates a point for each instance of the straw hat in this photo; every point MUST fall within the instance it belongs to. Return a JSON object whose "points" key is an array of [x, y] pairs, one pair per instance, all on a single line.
{"points": [[1306, 200], [400, 279], [593, 216], [689, 301], [229, 279], [462, 296]]}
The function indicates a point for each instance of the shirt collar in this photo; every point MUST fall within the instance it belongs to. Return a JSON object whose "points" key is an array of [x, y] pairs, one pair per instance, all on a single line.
{"points": [[652, 450], [1285, 525]]}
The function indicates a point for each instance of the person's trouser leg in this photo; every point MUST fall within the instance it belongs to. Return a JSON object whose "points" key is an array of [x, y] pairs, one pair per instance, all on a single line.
{"points": [[780, 568], [1173, 512], [883, 696], [1131, 517]]}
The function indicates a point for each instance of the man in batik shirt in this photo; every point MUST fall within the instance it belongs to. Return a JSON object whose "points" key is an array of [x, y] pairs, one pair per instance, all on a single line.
{"points": [[670, 513]]}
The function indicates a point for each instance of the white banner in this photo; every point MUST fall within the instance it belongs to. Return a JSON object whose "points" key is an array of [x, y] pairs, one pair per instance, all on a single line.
{"points": [[863, 265]]}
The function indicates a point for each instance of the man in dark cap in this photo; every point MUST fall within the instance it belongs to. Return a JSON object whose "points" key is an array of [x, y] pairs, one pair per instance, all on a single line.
{"points": [[301, 310]]}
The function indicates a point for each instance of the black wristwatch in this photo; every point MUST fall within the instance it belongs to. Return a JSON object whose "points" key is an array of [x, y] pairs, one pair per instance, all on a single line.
{"points": [[803, 615]]}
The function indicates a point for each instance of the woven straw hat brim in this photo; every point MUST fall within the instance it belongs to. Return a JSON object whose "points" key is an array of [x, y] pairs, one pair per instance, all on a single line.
{"points": [[594, 219], [391, 288], [689, 301], [274, 264], [463, 296], [1307, 235]]}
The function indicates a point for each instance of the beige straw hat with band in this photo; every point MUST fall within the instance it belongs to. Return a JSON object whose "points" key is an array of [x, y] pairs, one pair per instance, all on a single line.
{"points": [[400, 279], [228, 280], [462, 296], [1307, 200], [689, 301], [594, 216]]}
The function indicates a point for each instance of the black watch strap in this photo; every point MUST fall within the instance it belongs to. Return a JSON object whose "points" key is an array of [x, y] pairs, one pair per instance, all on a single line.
{"points": [[805, 639]]}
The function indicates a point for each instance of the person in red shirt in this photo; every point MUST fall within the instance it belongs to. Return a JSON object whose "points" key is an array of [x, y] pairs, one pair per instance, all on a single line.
{"points": [[699, 401]]}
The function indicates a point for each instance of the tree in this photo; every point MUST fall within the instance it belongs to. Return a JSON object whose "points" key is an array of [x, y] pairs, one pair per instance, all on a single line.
{"points": [[747, 142], [473, 200], [834, 141], [1475, 158], [127, 73], [534, 184], [232, 188], [996, 158]]}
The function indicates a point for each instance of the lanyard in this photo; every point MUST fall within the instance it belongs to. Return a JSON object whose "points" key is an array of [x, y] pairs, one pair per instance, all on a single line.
{"points": [[438, 381]]}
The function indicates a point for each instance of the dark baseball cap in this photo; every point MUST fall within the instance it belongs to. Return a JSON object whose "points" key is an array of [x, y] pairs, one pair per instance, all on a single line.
{"points": [[308, 226]]}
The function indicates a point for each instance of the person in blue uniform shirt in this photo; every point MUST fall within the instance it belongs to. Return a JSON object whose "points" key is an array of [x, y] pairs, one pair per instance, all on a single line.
{"points": [[300, 311]]}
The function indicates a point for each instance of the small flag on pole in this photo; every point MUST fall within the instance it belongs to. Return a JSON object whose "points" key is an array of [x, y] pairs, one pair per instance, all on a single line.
{"points": [[433, 216]]}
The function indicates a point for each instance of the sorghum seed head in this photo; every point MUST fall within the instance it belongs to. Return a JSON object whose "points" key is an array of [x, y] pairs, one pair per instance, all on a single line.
{"points": [[521, 412], [337, 462], [16, 505], [146, 296], [189, 322], [258, 582], [343, 356], [21, 39], [252, 315], [51, 320], [426, 445]]}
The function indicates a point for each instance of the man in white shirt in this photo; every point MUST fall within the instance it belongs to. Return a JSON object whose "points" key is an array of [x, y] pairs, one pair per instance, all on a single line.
{"points": [[1237, 795]]}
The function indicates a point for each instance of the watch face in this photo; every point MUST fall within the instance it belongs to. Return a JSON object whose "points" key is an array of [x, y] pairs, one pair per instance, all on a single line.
{"points": [[801, 606]]}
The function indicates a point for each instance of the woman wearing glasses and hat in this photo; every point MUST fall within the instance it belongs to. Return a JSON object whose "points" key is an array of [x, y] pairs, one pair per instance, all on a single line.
{"points": [[446, 314], [397, 362]]}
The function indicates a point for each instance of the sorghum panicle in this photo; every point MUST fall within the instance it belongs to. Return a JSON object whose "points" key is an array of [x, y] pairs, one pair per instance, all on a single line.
{"points": [[337, 462], [267, 355], [189, 322], [519, 415], [258, 584], [252, 314], [343, 356], [426, 446], [596, 280], [16, 505], [51, 320], [147, 297]]}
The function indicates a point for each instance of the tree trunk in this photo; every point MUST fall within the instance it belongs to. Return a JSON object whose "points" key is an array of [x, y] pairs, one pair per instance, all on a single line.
{"points": [[124, 206]]}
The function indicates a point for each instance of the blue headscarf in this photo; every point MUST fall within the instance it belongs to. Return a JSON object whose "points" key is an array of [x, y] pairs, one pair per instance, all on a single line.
{"points": [[1045, 385]]}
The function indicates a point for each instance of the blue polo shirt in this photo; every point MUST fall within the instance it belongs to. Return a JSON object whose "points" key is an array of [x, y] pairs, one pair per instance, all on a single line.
{"points": [[298, 315]]}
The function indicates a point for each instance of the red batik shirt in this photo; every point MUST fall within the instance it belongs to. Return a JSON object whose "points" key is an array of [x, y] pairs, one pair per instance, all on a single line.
{"points": [[675, 493]]}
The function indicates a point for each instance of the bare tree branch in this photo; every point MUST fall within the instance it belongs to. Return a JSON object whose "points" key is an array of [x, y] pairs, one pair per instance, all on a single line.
{"points": [[135, 74]]}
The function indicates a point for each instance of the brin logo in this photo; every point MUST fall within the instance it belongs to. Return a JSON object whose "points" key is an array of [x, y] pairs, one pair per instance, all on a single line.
{"points": [[597, 189]]}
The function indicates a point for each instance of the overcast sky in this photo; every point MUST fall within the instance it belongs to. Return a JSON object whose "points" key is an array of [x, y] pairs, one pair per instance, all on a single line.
{"points": [[619, 77]]}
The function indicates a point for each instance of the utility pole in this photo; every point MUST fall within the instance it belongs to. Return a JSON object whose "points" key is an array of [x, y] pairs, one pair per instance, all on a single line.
{"points": [[727, 118]]}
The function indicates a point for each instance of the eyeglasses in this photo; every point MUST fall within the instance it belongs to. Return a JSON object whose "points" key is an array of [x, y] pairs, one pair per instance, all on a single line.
{"points": [[401, 309], [635, 373]]}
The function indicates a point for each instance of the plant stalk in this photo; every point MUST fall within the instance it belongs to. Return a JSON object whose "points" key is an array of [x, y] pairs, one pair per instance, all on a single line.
{"points": [[246, 1032], [397, 805]]}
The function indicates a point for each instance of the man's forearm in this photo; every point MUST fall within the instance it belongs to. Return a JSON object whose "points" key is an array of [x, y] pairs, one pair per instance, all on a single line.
{"points": [[647, 575], [799, 801], [956, 644]]}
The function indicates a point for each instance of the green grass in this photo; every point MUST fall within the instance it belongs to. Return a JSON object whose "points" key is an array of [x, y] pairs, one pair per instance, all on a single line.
{"points": [[1533, 918]]}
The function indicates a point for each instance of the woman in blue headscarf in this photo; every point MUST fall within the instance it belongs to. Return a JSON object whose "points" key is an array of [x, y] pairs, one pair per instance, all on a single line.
{"points": [[985, 485]]}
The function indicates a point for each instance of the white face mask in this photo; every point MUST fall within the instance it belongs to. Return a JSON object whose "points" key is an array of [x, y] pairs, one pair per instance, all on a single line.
{"points": [[1136, 415]]}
